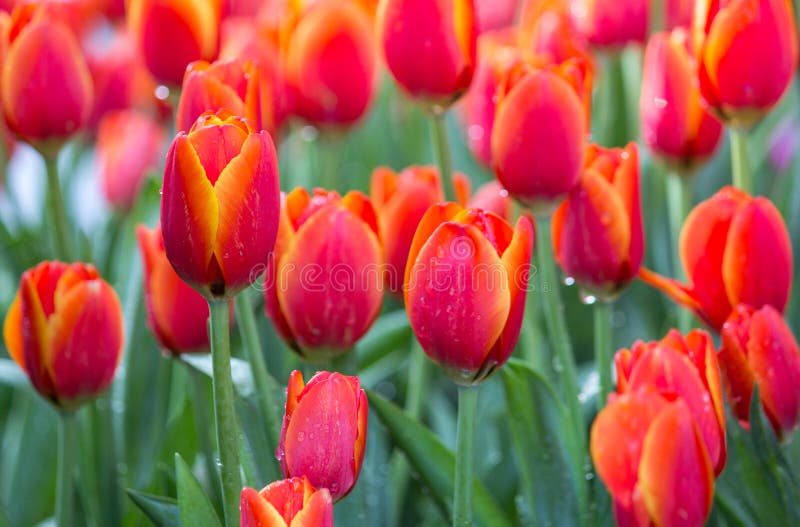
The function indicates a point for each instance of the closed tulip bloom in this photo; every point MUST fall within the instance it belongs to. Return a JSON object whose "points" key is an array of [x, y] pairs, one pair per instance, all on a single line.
{"points": [[220, 204], [650, 454], [676, 124], [735, 250], [129, 145], [291, 502], [539, 139], [46, 87], [598, 235], [436, 68], [685, 367], [465, 287], [170, 34], [64, 329], [330, 64], [324, 284], [176, 314], [758, 347], [324, 431], [747, 55], [612, 24]]}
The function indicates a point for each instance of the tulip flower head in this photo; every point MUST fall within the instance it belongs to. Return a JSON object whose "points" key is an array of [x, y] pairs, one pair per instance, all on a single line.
{"points": [[64, 330], [598, 236], [324, 431], [220, 204], [176, 314], [324, 284], [735, 250], [429, 47], [292, 502], [465, 286], [676, 124], [758, 347], [747, 55]]}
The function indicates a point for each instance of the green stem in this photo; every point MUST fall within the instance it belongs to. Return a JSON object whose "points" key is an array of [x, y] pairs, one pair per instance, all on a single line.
{"points": [[740, 161], [57, 212], [197, 381], [602, 348], [679, 203], [465, 456], [614, 114], [439, 128], [66, 466], [328, 161], [224, 412]]}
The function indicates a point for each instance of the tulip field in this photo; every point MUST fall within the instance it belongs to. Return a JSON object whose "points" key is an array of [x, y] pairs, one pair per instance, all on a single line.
{"points": [[389, 263]]}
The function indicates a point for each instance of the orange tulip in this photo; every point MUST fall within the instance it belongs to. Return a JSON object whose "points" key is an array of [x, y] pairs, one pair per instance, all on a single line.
{"points": [[465, 286], [675, 122], [64, 329], [324, 282], [612, 24], [758, 347], [650, 454], [598, 235], [747, 55], [170, 34], [220, 204], [292, 502], [324, 431], [735, 250], [330, 63], [176, 313], [429, 46], [46, 86]]}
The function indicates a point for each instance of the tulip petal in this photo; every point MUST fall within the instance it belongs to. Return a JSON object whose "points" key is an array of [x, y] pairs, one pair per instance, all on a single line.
{"points": [[257, 511], [317, 512], [433, 217], [739, 377], [35, 335], [12, 332]]}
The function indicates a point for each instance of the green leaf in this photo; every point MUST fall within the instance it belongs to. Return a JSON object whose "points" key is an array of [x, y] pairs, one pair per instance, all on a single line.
{"points": [[389, 333], [240, 371], [11, 375], [194, 506], [548, 457], [434, 462], [161, 510]]}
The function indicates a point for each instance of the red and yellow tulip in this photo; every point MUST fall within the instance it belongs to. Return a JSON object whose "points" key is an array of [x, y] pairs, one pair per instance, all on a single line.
{"points": [[291, 502]]}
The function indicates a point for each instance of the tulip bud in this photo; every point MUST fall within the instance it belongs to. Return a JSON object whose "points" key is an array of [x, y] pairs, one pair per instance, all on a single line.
{"points": [[675, 122], [64, 329], [747, 55], [465, 287], [171, 34], [330, 63], [324, 431], [129, 145], [324, 283], [292, 502], [46, 87], [612, 24], [684, 367], [735, 250], [438, 67], [176, 314], [220, 204], [651, 456], [598, 236], [758, 347]]}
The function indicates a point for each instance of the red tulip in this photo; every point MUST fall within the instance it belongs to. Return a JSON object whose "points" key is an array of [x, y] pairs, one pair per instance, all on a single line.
{"points": [[649, 452], [330, 63], [598, 235], [675, 122], [324, 283], [220, 203], [64, 329], [176, 313], [758, 347], [292, 502], [465, 286], [747, 55], [129, 145], [678, 13], [171, 34], [612, 24], [684, 367], [46, 86], [438, 67], [324, 431], [735, 249]]}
